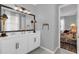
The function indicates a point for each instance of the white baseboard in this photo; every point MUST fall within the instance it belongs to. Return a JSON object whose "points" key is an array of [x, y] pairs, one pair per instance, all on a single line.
{"points": [[56, 49], [52, 52]]}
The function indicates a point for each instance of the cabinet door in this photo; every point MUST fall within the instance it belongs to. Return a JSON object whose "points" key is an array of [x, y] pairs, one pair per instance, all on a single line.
{"points": [[8, 46], [36, 41], [30, 43], [21, 45]]}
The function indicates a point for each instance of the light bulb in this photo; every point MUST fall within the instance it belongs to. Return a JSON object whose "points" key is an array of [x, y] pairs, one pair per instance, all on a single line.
{"points": [[28, 12], [16, 8], [20, 9], [25, 11]]}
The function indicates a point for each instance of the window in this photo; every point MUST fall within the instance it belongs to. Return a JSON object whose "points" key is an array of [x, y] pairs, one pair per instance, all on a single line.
{"points": [[62, 25]]}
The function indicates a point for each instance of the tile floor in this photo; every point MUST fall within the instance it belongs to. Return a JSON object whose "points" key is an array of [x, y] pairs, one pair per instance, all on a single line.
{"points": [[39, 51], [42, 51], [63, 51]]}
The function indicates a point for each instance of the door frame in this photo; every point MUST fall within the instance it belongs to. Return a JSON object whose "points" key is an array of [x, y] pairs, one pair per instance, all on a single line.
{"points": [[77, 29], [76, 22]]}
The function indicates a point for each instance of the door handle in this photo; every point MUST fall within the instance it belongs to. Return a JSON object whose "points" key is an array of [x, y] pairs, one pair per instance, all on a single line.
{"points": [[17, 45]]}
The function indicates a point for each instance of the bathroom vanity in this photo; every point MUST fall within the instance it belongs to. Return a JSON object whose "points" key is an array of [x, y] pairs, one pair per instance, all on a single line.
{"points": [[19, 39], [21, 43]]}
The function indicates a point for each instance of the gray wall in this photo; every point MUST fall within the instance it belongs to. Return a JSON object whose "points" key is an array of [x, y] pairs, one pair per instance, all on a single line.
{"points": [[48, 14], [69, 20]]}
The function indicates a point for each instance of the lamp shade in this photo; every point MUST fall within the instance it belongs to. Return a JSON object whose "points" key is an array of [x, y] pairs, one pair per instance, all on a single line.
{"points": [[72, 25], [73, 28]]}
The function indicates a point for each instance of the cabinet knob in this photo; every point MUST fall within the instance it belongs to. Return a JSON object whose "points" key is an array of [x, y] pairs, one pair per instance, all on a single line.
{"points": [[34, 39], [17, 45]]}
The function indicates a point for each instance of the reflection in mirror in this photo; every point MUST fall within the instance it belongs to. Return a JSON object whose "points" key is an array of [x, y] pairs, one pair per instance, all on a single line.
{"points": [[12, 23], [16, 20]]}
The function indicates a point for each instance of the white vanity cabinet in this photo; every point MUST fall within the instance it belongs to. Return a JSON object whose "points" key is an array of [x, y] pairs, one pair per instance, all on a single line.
{"points": [[30, 43], [22, 44], [19, 44], [34, 41], [7, 45]]}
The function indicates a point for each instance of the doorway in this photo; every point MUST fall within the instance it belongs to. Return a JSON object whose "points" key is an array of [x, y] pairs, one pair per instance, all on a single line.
{"points": [[68, 27]]}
